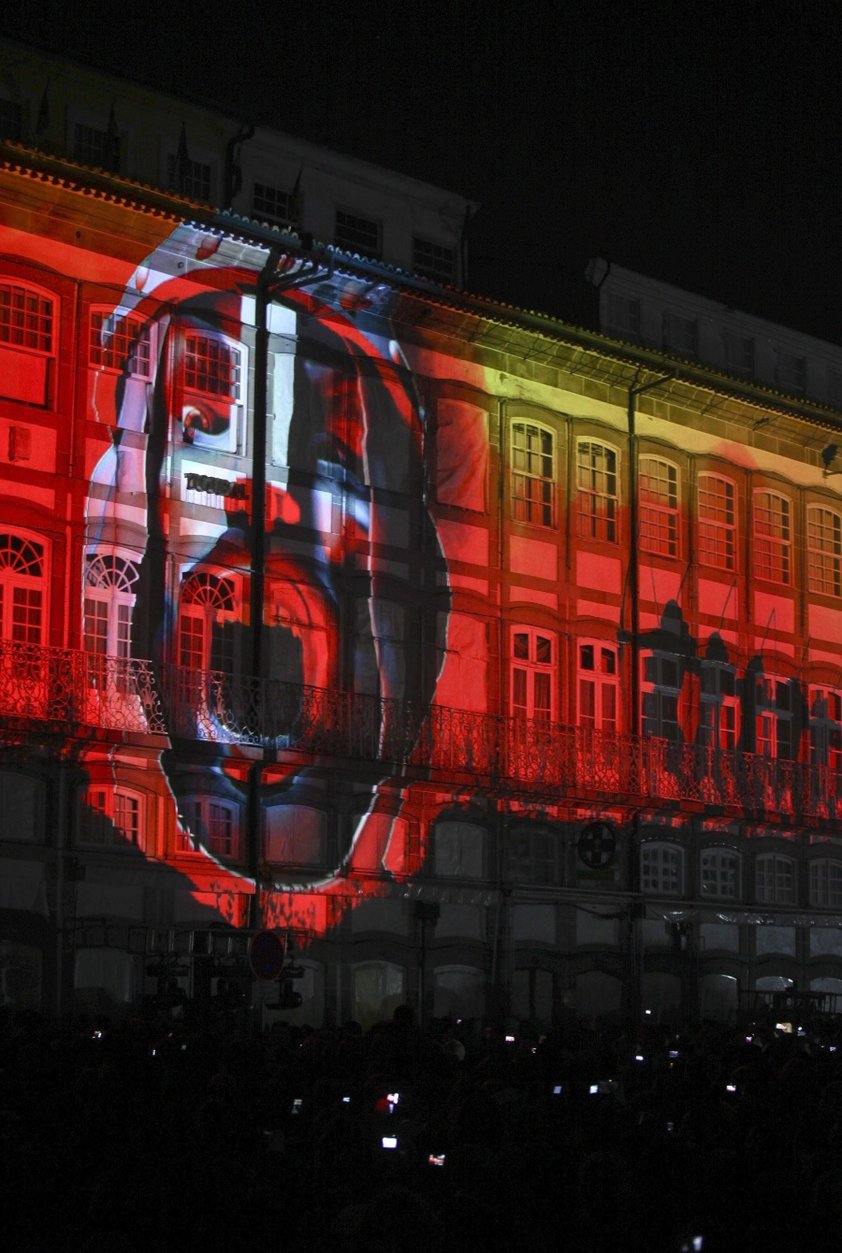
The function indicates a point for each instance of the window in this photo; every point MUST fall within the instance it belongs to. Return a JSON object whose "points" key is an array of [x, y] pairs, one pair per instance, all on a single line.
{"points": [[208, 615], [681, 334], [790, 371], [356, 234], [661, 868], [272, 205], [720, 874], [826, 727], [121, 341], [296, 835], [214, 825], [598, 687], [771, 551], [99, 148], [718, 712], [826, 884], [533, 666], [110, 586], [27, 342], [22, 589], [533, 474], [109, 818], [458, 849], [624, 313], [717, 517], [775, 879], [662, 675], [434, 261], [211, 366], [596, 481], [22, 802], [738, 352], [189, 178], [774, 717], [658, 512], [824, 551], [534, 855]]}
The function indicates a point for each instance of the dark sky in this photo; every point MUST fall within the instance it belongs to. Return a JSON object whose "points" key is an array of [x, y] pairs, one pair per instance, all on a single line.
{"points": [[694, 141]]}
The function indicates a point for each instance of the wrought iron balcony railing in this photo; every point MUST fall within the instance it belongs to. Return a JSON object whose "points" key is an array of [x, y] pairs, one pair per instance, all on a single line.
{"points": [[71, 692]]}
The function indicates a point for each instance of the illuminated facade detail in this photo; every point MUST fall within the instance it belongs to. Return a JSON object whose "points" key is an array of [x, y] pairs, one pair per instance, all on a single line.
{"points": [[824, 550], [318, 605], [717, 521], [533, 474], [597, 491], [772, 546]]}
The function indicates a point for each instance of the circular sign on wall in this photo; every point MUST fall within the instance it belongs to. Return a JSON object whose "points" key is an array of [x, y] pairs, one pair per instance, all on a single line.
{"points": [[267, 954], [597, 845]]}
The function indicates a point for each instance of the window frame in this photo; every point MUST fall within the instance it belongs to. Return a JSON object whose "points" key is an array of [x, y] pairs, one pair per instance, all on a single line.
{"points": [[114, 835], [771, 717], [20, 581], [716, 530], [353, 221], [666, 877], [594, 713], [218, 604], [26, 342], [198, 836], [597, 506], [133, 354], [530, 865], [719, 708], [778, 889], [825, 726], [771, 532], [439, 266], [824, 565], [825, 888], [532, 667], [713, 875], [655, 517], [533, 501]]}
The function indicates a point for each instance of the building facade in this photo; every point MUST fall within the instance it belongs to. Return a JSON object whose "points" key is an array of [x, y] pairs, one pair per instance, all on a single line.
{"points": [[493, 662]]}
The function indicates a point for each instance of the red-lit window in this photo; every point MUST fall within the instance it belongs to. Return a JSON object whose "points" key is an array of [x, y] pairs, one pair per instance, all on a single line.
{"points": [[771, 550], [27, 342], [533, 666], [533, 474], [720, 873], [718, 713], [597, 491], [661, 868], [110, 587], [598, 687], [22, 589], [826, 727], [121, 341], [658, 506], [824, 551], [774, 717], [717, 522], [211, 366], [208, 615], [213, 825], [775, 879], [109, 817]]}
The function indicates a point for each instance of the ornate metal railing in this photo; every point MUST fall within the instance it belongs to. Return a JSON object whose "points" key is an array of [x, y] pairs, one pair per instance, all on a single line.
{"points": [[70, 692]]}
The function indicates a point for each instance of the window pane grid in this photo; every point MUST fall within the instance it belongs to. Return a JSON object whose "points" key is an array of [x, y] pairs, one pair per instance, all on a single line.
{"points": [[273, 205], [775, 878], [26, 318], [120, 342], [824, 551], [658, 494], [826, 884], [772, 537], [212, 367], [356, 234], [660, 869], [719, 874], [433, 261], [717, 522], [596, 480], [533, 474]]}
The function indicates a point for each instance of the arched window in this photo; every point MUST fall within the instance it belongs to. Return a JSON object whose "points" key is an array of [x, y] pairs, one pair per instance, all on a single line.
{"points": [[824, 551], [772, 548], [22, 589], [661, 868], [27, 341], [826, 883], [658, 506], [533, 474], [717, 522], [597, 491], [720, 873], [775, 879], [110, 588], [208, 614]]}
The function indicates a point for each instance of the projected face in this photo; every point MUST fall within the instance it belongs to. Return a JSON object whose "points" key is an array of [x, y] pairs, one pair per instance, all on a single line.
{"points": [[351, 621]]}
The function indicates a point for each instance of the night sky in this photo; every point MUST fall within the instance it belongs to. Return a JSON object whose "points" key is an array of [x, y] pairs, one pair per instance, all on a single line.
{"points": [[696, 142]]}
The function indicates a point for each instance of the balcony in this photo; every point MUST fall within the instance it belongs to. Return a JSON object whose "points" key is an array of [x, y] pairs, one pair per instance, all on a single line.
{"points": [[74, 694]]}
